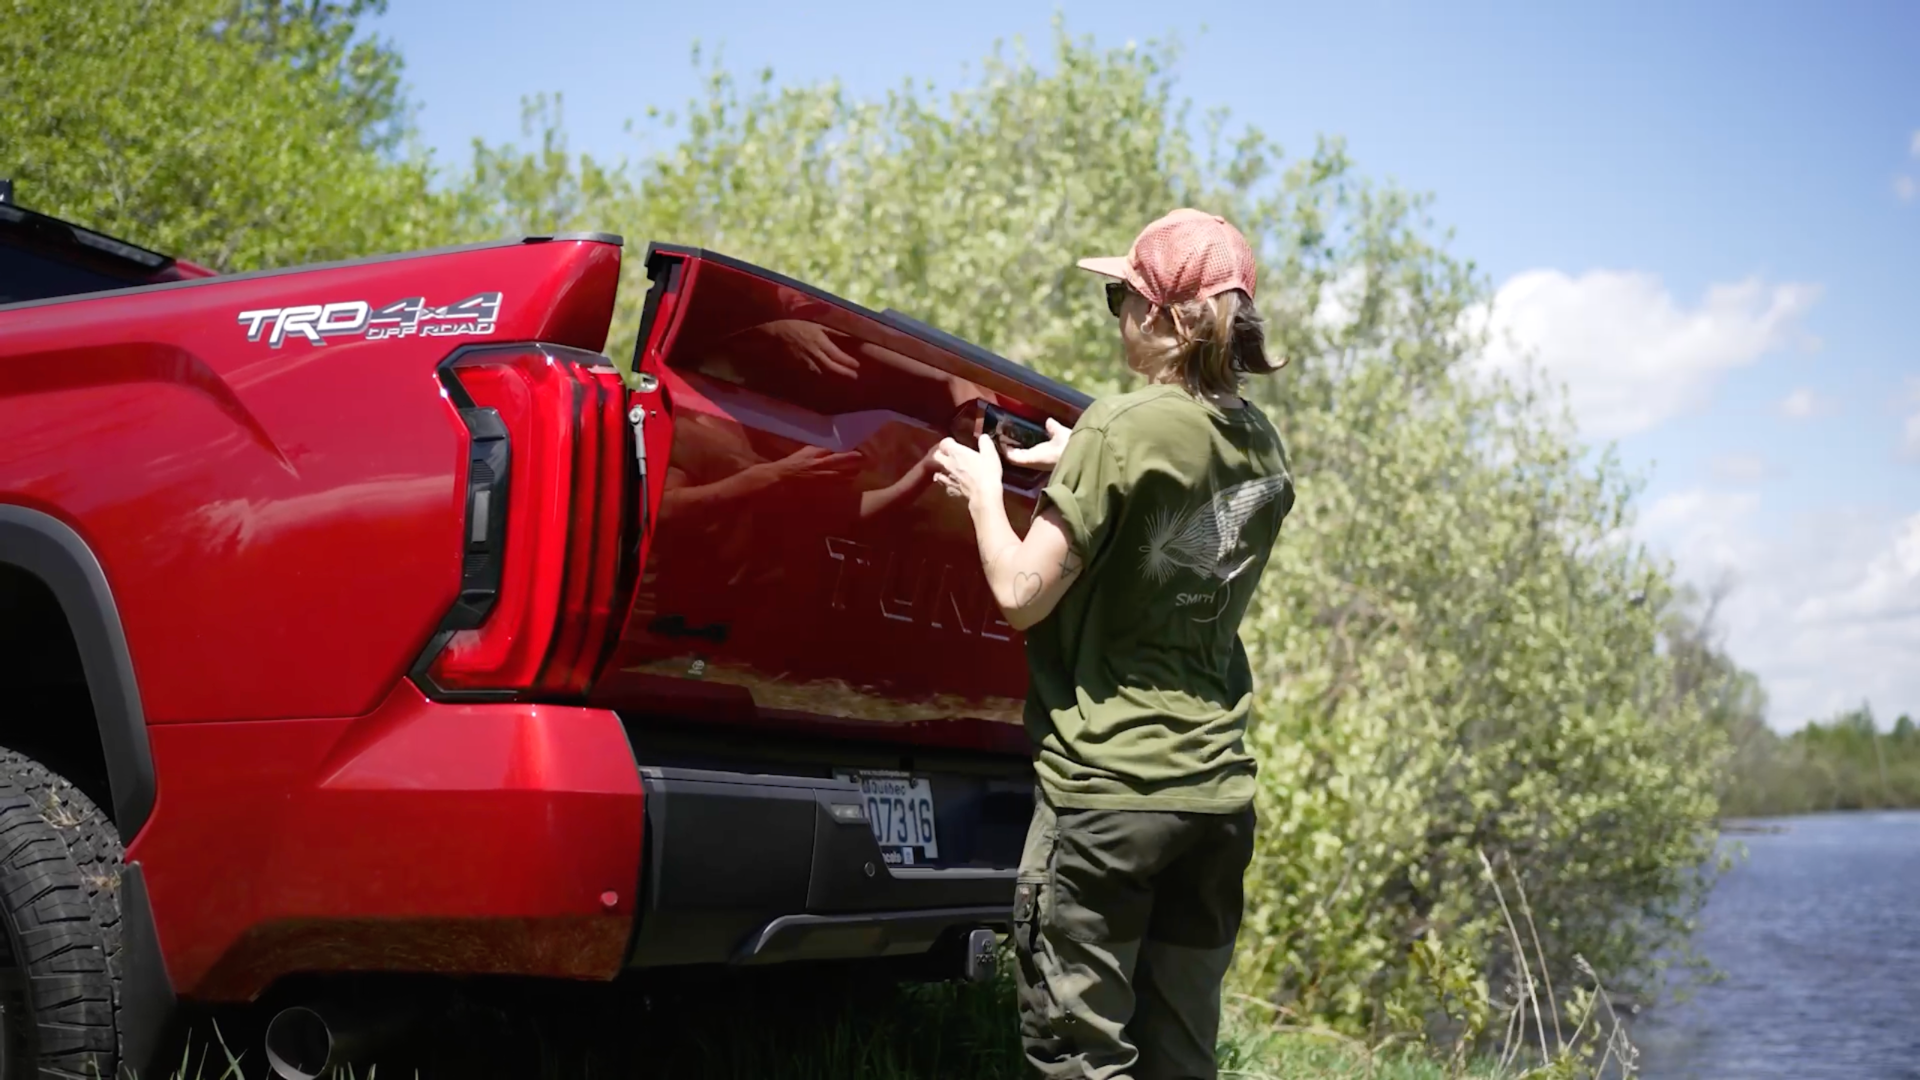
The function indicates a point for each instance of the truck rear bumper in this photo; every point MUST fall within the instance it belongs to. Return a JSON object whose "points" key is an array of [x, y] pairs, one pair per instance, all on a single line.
{"points": [[753, 868], [840, 937], [525, 839], [455, 838]]}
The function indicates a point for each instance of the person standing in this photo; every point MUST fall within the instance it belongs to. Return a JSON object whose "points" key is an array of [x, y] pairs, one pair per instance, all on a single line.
{"points": [[1159, 515]]}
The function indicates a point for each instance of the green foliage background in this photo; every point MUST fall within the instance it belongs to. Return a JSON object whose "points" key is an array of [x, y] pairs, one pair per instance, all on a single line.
{"points": [[1844, 763], [240, 134], [1458, 652]]}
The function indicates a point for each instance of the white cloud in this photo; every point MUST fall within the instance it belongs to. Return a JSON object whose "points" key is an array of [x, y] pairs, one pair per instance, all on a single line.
{"points": [[1827, 613], [1630, 355], [1706, 531], [1905, 188], [1888, 588], [1804, 404], [1339, 300]]}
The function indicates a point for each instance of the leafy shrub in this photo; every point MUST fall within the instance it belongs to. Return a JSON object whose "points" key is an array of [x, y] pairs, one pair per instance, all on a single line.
{"points": [[1458, 652]]}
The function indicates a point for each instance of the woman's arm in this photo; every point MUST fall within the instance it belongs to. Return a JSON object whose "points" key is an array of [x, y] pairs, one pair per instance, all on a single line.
{"points": [[915, 480], [1028, 576], [808, 463]]}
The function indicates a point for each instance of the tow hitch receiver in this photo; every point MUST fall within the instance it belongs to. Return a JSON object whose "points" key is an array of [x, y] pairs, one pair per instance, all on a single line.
{"points": [[982, 956]]}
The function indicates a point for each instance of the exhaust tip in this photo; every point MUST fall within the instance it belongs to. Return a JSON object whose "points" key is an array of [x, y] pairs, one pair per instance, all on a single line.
{"points": [[299, 1044]]}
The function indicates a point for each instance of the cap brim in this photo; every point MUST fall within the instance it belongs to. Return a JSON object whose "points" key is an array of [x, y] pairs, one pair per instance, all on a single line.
{"points": [[1113, 266]]}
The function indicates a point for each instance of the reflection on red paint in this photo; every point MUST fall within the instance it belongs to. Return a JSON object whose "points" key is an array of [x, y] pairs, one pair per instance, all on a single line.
{"points": [[801, 563]]}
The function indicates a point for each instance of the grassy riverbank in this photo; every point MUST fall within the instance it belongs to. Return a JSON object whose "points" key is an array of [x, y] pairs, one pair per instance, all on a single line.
{"points": [[1469, 691]]}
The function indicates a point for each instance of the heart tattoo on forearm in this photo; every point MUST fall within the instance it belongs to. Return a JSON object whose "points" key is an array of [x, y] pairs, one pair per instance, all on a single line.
{"points": [[1026, 586]]}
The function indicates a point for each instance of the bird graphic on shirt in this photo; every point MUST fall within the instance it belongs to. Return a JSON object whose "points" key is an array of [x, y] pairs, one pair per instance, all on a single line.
{"points": [[1203, 539]]}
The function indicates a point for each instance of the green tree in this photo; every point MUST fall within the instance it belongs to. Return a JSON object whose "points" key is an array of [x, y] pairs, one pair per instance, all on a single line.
{"points": [[1457, 654], [1843, 763], [1731, 699], [240, 133]]}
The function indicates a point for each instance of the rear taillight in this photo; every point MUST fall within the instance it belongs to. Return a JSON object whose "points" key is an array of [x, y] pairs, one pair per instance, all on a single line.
{"points": [[547, 498]]}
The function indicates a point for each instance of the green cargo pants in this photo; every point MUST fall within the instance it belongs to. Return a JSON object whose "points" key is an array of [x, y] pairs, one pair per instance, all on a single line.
{"points": [[1124, 922]]}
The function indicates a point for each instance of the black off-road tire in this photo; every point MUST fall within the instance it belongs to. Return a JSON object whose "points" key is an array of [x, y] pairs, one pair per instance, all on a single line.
{"points": [[59, 928]]}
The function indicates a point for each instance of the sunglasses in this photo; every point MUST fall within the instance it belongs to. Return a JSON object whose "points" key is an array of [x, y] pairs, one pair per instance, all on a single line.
{"points": [[1116, 296]]}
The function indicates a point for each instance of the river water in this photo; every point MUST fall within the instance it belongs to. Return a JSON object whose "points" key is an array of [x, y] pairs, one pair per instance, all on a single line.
{"points": [[1818, 934]]}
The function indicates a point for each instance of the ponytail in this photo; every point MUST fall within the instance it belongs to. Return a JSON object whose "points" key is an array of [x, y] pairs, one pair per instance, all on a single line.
{"points": [[1213, 343]]}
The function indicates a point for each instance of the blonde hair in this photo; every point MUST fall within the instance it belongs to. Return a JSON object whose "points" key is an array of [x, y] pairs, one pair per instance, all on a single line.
{"points": [[1207, 344]]}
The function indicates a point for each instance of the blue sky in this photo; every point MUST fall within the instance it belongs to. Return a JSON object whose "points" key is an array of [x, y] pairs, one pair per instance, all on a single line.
{"points": [[1704, 217]]}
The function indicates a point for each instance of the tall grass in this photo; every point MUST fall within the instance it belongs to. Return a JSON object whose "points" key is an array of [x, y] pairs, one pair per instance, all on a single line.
{"points": [[809, 1026]]}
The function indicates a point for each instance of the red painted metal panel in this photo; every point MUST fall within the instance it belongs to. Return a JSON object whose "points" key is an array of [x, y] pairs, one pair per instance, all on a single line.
{"points": [[281, 523], [802, 567], [421, 837]]}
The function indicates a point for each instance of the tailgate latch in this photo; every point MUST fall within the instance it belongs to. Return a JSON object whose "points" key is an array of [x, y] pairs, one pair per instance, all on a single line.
{"points": [[637, 416]]}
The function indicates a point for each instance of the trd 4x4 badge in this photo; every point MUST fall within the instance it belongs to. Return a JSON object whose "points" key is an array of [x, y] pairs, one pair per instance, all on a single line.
{"points": [[475, 316]]}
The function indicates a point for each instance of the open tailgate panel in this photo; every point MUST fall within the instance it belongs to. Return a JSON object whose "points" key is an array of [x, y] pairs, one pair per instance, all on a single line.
{"points": [[799, 568]]}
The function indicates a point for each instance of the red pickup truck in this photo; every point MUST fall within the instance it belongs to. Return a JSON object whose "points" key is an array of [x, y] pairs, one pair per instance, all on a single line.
{"points": [[365, 617]]}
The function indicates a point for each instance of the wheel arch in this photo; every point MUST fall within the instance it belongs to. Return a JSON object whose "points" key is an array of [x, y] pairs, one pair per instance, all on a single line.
{"points": [[48, 550]]}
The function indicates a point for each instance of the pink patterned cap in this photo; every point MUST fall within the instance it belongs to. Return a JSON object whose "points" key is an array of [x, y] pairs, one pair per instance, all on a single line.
{"points": [[1186, 255]]}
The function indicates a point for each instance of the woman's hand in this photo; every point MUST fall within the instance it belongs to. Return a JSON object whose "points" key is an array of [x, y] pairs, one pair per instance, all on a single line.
{"points": [[1028, 576], [973, 475], [812, 345], [902, 491], [1047, 454], [816, 463]]}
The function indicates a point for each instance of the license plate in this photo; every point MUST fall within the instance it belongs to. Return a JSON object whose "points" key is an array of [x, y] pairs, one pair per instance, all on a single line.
{"points": [[900, 810]]}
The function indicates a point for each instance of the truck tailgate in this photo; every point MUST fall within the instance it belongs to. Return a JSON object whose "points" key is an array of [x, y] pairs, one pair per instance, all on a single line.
{"points": [[799, 567]]}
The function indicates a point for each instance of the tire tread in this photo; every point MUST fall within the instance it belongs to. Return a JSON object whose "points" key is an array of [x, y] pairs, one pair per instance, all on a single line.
{"points": [[60, 860]]}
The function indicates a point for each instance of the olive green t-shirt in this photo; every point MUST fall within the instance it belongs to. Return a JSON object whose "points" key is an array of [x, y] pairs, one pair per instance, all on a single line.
{"points": [[1140, 687]]}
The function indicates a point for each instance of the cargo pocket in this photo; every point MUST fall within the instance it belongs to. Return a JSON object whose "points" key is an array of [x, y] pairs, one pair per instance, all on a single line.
{"points": [[1035, 880], [1026, 915]]}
